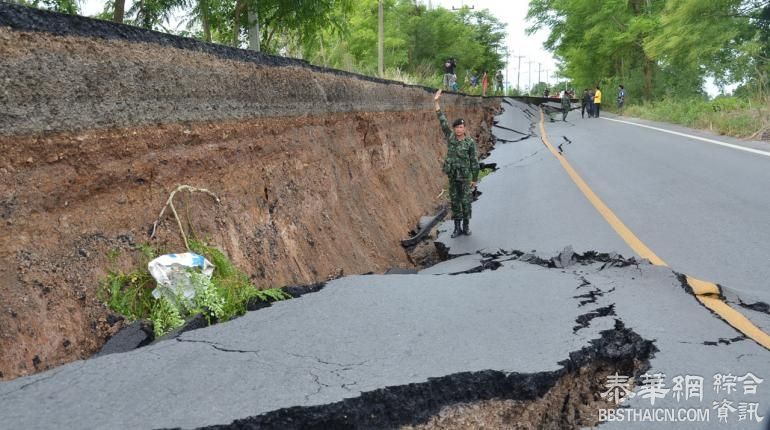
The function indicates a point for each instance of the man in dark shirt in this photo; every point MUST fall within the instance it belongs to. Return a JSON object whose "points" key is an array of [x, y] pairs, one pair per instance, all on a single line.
{"points": [[449, 71]]}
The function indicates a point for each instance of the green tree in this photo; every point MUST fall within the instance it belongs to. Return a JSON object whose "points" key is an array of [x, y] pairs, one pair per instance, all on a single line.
{"points": [[292, 21], [729, 39], [153, 14], [600, 42], [657, 48], [61, 6], [417, 40]]}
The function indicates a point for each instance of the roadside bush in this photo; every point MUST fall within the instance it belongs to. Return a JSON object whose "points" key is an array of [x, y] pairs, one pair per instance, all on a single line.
{"points": [[732, 116]]}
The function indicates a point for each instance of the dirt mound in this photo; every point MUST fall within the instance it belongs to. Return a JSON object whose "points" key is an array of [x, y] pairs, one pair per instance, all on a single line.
{"points": [[318, 172]]}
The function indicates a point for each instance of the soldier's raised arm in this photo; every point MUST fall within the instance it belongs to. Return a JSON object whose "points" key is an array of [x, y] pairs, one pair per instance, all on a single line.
{"points": [[441, 117]]}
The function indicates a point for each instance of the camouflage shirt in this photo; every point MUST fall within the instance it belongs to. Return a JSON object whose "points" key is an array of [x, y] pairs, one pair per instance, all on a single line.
{"points": [[461, 162]]}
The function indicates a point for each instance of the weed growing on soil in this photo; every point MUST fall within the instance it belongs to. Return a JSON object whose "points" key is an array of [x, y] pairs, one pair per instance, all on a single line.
{"points": [[129, 294], [484, 172], [165, 317], [232, 284], [220, 298]]}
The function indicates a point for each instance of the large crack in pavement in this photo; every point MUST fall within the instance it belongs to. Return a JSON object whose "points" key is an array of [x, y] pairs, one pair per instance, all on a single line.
{"points": [[618, 350]]}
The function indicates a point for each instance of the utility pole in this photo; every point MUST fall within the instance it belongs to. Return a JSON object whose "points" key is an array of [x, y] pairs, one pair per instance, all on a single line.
{"points": [[507, 66], [518, 73], [538, 73], [529, 75], [380, 40]]}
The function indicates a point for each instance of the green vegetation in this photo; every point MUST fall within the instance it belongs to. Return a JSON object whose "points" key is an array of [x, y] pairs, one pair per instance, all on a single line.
{"points": [[232, 284], [417, 41], [129, 294], [220, 298], [662, 52], [732, 116], [484, 172]]}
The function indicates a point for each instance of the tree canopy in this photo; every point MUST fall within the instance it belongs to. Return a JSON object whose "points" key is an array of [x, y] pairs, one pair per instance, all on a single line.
{"points": [[657, 48], [417, 40]]}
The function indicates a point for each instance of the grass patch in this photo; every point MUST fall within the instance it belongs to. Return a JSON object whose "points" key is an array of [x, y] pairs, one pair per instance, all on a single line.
{"points": [[731, 116], [232, 284], [129, 294], [484, 172], [223, 297]]}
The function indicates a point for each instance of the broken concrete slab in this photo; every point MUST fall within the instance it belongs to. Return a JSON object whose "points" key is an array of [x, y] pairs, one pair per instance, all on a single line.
{"points": [[130, 337], [687, 337], [458, 264], [400, 271], [357, 335]]}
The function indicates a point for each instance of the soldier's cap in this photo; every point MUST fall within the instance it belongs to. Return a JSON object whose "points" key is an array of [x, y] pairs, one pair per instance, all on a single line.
{"points": [[458, 121]]}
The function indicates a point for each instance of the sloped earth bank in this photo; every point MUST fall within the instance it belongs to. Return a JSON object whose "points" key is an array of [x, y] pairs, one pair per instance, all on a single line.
{"points": [[319, 171]]}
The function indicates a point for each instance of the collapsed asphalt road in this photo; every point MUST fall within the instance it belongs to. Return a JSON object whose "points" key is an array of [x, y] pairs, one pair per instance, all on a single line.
{"points": [[477, 340]]}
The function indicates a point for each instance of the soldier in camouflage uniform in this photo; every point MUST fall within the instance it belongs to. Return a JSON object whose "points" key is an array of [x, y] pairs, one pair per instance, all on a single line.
{"points": [[461, 167]]}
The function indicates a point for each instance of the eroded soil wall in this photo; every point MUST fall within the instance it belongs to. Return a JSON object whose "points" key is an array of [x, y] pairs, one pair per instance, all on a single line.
{"points": [[319, 172]]}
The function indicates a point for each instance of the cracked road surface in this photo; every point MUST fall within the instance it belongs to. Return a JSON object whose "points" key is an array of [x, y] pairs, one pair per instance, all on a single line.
{"points": [[701, 207], [506, 319]]}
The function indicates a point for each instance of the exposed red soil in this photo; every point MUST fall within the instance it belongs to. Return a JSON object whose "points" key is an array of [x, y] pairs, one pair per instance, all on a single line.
{"points": [[302, 199], [319, 172]]}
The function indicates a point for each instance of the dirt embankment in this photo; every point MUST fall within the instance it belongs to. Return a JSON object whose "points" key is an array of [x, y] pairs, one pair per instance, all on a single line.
{"points": [[319, 172]]}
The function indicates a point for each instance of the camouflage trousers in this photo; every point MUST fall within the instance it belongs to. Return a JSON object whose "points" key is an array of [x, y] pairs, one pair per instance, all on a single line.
{"points": [[461, 198]]}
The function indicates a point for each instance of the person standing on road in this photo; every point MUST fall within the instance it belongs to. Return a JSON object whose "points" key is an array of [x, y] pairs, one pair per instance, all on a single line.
{"points": [[597, 101], [566, 105], [585, 104], [621, 97], [484, 84], [461, 167]]}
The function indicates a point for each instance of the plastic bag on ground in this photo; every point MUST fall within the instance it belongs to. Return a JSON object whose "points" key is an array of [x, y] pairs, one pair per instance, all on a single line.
{"points": [[171, 271]]}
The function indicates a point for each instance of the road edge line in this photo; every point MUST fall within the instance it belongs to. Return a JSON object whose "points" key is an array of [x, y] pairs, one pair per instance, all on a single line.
{"points": [[690, 136]]}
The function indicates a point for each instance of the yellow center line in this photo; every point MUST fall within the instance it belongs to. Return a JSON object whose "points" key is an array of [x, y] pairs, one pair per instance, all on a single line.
{"points": [[706, 292]]}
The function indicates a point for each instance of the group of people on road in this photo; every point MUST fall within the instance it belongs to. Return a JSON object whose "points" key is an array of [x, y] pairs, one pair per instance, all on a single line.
{"points": [[472, 79], [591, 102]]}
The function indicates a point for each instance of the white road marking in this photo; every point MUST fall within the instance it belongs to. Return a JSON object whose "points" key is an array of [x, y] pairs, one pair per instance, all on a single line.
{"points": [[716, 142]]}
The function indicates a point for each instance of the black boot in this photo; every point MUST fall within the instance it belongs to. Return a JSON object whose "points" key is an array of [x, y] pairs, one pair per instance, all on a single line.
{"points": [[457, 231], [466, 227]]}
